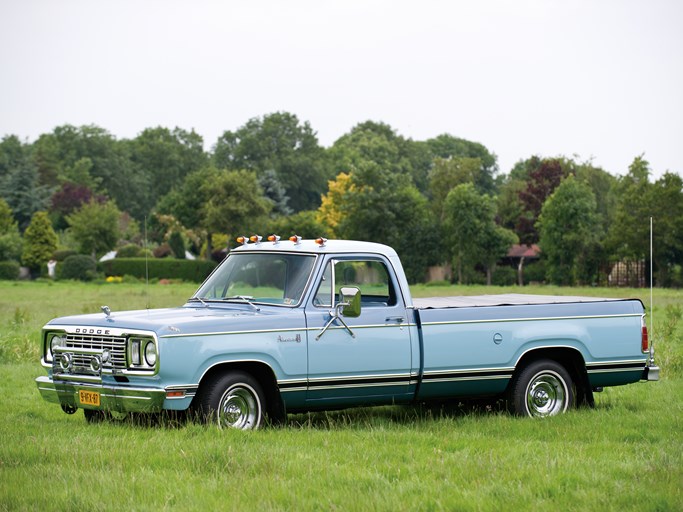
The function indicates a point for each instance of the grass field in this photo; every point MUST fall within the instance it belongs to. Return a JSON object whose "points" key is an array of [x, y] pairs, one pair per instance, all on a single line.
{"points": [[626, 454]]}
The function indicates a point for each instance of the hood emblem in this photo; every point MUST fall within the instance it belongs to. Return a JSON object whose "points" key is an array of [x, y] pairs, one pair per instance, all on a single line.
{"points": [[106, 311], [173, 328]]}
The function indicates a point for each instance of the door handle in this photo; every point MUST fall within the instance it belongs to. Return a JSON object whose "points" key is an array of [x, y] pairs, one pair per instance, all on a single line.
{"points": [[398, 319]]}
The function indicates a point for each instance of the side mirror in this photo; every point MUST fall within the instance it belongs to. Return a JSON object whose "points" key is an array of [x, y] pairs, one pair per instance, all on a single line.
{"points": [[350, 297]]}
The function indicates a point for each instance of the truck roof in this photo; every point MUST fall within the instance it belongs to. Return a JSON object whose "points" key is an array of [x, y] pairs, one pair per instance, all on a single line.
{"points": [[312, 247]]}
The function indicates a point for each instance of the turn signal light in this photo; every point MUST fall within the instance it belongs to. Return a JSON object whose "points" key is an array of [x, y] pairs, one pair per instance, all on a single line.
{"points": [[644, 338]]}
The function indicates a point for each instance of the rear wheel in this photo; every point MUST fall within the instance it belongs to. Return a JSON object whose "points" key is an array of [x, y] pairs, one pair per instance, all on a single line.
{"points": [[541, 389], [232, 400]]}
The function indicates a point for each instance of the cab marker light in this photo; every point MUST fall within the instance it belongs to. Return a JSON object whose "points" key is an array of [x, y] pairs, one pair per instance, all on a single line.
{"points": [[242, 240], [321, 241], [256, 239], [296, 239], [274, 238]]}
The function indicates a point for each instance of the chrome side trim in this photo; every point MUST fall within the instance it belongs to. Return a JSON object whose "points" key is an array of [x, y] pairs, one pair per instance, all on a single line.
{"points": [[268, 331], [533, 319]]}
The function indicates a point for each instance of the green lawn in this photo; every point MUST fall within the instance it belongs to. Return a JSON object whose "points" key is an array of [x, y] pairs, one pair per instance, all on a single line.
{"points": [[626, 454]]}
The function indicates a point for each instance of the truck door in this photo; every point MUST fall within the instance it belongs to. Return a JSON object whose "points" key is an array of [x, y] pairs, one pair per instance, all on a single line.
{"points": [[369, 359]]}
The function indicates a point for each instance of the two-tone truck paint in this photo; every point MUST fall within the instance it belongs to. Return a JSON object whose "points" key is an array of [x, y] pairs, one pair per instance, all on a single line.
{"points": [[286, 326]]}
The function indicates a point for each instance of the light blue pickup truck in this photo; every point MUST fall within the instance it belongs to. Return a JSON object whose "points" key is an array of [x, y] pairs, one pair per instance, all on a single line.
{"points": [[300, 325]]}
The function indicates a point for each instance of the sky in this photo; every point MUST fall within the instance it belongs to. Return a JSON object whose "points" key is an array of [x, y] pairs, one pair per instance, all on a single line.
{"points": [[598, 81]]}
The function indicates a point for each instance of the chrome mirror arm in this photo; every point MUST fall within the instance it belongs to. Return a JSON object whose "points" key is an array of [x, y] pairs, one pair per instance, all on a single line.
{"points": [[335, 315]]}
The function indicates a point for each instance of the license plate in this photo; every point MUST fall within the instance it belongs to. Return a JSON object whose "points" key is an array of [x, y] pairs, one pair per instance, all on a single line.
{"points": [[89, 397]]}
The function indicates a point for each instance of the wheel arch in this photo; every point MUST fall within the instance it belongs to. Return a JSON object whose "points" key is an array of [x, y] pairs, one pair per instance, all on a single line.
{"points": [[571, 359], [259, 370]]}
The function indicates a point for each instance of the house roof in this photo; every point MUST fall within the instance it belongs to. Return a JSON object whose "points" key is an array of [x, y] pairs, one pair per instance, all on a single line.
{"points": [[523, 250]]}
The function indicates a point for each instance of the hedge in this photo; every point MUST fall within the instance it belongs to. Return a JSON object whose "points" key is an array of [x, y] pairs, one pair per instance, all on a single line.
{"points": [[9, 270], [166, 268]]}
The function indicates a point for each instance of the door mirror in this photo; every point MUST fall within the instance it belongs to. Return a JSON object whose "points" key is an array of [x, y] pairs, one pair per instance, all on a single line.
{"points": [[350, 298]]}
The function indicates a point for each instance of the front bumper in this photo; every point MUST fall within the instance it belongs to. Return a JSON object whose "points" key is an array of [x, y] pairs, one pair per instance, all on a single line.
{"points": [[112, 398]]}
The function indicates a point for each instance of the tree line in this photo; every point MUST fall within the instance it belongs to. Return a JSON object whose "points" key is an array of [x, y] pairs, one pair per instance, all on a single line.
{"points": [[439, 201]]}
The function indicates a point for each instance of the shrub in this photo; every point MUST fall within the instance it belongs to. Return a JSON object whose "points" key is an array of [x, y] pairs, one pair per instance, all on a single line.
{"points": [[163, 251], [534, 273], [79, 267], [9, 270], [167, 268], [504, 276], [129, 251], [60, 256], [177, 245]]}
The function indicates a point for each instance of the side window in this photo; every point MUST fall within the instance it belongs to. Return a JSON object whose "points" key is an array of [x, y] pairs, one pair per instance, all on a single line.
{"points": [[370, 276], [323, 297]]}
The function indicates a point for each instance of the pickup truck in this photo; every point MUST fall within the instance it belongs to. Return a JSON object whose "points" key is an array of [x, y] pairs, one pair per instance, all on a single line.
{"points": [[298, 325]]}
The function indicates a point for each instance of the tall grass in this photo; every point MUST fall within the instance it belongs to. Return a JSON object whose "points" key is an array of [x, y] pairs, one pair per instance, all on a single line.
{"points": [[625, 454]]}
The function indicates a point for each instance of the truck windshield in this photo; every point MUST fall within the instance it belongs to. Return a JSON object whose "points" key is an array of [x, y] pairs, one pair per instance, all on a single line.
{"points": [[259, 278]]}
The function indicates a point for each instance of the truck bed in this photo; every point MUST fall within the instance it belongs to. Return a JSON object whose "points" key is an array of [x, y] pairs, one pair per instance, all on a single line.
{"points": [[509, 299]]}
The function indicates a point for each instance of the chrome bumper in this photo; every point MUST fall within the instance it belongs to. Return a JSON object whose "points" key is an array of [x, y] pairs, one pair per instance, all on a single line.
{"points": [[650, 373], [112, 398]]}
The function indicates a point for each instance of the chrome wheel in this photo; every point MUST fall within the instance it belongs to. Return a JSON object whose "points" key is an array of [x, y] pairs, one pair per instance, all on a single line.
{"points": [[239, 407], [546, 395], [233, 399], [540, 389]]}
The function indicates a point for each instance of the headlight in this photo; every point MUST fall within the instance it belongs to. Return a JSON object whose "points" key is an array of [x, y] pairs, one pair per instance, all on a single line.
{"points": [[150, 354]]}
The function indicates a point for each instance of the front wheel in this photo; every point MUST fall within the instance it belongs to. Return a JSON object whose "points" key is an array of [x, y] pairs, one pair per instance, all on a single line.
{"points": [[543, 388], [232, 400]]}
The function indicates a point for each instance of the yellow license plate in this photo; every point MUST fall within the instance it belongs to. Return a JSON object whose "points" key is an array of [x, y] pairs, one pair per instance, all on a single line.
{"points": [[89, 397]]}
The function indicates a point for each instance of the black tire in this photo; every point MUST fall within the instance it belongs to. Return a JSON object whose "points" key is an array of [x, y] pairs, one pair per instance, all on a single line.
{"points": [[94, 416], [541, 389], [232, 400]]}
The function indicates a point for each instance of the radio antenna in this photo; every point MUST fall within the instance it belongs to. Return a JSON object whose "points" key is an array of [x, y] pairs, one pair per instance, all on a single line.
{"points": [[652, 309], [146, 269]]}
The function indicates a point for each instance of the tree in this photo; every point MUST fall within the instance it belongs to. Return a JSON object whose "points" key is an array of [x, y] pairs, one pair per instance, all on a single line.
{"points": [[543, 177], [473, 235], [449, 173], [95, 227], [40, 242], [69, 198], [667, 201], [10, 239], [92, 157], [186, 200], [165, 157], [235, 202], [628, 236], [305, 224], [22, 191], [275, 193], [446, 146], [569, 230], [281, 143], [13, 154], [373, 204]]}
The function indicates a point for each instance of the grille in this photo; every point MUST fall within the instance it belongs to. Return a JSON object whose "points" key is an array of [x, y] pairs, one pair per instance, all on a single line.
{"points": [[115, 345]]}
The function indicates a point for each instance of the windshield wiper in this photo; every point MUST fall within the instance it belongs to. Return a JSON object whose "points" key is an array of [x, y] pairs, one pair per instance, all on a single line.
{"points": [[191, 299], [244, 298]]}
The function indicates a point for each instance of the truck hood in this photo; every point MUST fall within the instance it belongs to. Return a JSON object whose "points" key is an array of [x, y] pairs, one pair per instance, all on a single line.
{"points": [[178, 321]]}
